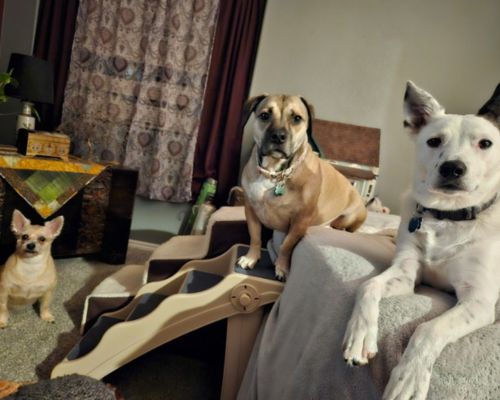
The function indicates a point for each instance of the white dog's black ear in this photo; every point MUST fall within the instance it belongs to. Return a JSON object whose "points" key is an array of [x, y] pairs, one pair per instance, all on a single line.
{"points": [[55, 226], [419, 107], [19, 222], [491, 108], [250, 106]]}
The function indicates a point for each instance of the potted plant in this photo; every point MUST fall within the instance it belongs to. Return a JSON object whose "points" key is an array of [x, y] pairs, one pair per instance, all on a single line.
{"points": [[6, 79]]}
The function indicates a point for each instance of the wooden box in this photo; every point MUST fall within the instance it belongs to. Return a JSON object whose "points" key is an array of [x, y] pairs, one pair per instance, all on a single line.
{"points": [[39, 143]]}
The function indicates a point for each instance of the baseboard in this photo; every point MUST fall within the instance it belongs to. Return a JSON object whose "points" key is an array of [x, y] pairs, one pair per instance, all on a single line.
{"points": [[139, 244]]}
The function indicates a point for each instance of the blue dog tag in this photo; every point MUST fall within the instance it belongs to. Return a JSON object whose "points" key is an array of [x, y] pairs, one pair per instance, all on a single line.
{"points": [[279, 189], [414, 224]]}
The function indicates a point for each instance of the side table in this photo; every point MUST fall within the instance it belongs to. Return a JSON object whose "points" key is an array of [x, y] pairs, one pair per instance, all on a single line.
{"points": [[97, 218]]}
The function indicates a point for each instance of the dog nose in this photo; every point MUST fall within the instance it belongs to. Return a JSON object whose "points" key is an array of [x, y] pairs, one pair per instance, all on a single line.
{"points": [[452, 169], [278, 137], [31, 246]]}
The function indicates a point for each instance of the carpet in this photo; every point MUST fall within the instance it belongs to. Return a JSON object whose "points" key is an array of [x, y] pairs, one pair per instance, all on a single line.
{"points": [[30, 348]]}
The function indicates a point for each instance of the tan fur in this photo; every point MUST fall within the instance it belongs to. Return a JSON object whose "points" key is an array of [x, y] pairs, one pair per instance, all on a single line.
{"points": [[315, 193], [29, 275]]}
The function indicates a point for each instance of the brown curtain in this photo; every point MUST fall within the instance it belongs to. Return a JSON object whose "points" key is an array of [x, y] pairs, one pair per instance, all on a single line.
{"points": [[53, 42], [233, 57], [135, 88]]}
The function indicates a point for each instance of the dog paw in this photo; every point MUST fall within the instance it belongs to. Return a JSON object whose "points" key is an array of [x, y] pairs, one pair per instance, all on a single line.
{"points": [[4, 318], [246, 262], [408, 381], [280, 274], [360, 341], [47, 316], [281, 269]]}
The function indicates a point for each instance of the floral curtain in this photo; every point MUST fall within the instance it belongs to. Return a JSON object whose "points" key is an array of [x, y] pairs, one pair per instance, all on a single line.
{"points": [[135, 88]]}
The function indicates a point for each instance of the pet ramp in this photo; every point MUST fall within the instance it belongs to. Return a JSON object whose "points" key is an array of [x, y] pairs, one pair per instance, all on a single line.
{"points": [[200, 293]]}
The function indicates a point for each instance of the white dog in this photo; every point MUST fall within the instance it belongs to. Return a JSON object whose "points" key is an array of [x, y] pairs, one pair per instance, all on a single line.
{"points": [[449, 238]]}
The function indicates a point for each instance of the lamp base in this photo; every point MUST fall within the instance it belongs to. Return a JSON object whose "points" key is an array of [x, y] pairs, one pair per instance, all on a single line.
{"points": [[26, 120]]}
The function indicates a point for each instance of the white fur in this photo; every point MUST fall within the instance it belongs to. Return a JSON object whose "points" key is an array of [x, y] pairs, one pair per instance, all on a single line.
{"points": [[458, 256], [258, 188]]}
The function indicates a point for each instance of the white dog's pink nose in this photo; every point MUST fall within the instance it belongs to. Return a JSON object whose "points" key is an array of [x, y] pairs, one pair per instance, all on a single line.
{"points": [[452, 169]]}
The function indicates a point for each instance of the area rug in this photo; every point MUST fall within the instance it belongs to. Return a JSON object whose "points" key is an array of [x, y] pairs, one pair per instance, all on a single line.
{"points": [[30, 347]]}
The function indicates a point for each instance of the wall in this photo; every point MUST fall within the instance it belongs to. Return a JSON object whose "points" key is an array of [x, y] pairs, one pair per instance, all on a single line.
{"points": [[351, 60]]}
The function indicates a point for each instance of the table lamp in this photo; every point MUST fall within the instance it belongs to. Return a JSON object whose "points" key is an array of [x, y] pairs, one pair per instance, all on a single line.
{"points": [[36, 85]]}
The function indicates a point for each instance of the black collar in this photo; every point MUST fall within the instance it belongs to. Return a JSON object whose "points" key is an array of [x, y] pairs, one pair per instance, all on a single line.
{"points": [[462, 214]]}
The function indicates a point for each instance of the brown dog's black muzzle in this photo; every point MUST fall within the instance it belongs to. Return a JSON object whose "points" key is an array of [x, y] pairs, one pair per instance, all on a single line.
{"points": [[278, 136], [276, 140]]}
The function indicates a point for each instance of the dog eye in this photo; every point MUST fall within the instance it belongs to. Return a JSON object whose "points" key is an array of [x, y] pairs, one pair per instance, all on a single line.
{"points": [[264, 116], [297, 118], [41, 239], [434, 142], [485, 144], [25, 237]]}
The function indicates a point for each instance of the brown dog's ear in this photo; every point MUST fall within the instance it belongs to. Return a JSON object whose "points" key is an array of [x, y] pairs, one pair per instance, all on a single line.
{"points": [[310, 115], [250, 106], [55, 226], [491, 109], [419, 107], [310, 137], [19, 222], [310, 108]]}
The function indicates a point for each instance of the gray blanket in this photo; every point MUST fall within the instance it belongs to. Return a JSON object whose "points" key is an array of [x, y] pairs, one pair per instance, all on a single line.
{"points": [[298, 352]]}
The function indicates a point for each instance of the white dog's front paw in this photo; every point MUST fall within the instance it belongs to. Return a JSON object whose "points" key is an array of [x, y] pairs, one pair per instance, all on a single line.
{"points": [[247, 262], [360, 340], [409, 380]]}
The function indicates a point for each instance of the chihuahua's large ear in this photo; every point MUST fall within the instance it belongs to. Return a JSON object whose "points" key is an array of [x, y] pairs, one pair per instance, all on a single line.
{"points": [[419, 107], [491, 108], [55, 226], [19, 222], [250, 106]]}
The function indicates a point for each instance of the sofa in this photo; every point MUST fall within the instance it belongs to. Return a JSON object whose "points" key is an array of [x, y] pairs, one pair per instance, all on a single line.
{"points": [[298, 355]]}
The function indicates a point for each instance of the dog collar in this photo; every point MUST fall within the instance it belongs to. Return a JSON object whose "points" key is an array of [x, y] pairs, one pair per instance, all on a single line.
{"points": [[462, 214], [280, 177]]}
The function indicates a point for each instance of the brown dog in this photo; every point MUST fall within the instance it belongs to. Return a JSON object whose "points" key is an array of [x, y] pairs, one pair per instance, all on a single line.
{"points": [[287, 187], [29, 274]]}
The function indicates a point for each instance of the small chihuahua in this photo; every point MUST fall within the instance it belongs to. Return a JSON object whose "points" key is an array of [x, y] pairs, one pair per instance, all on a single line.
{"points": [[29, 274]]}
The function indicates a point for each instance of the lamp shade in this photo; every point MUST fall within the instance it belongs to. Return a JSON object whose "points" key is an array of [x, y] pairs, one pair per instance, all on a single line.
{"points": [[35, 77]]}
